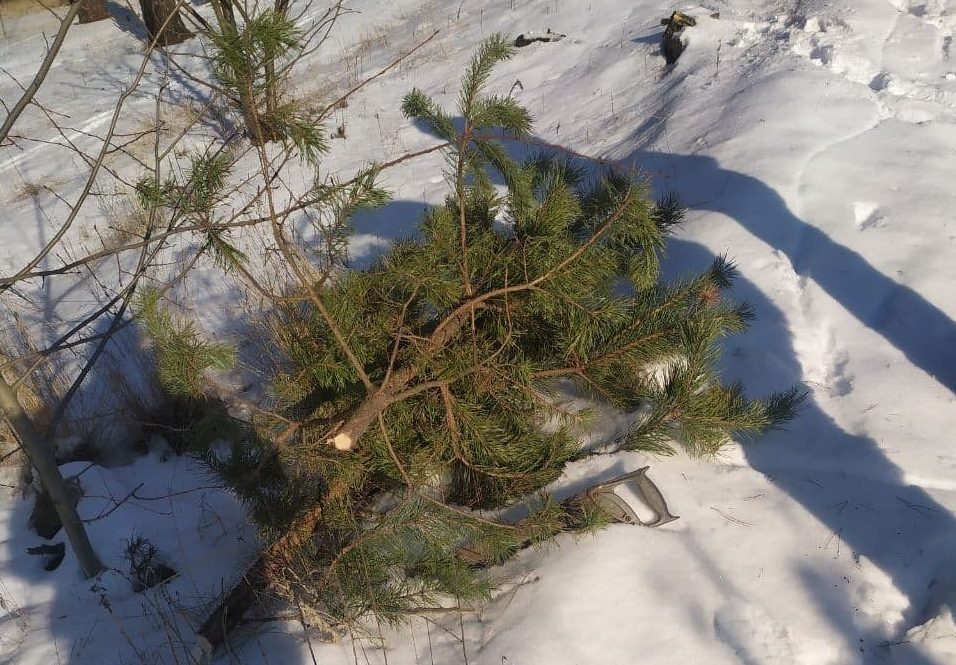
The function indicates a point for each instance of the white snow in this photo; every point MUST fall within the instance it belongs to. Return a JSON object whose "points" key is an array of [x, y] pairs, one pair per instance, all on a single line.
{"points": [[815, 142]]}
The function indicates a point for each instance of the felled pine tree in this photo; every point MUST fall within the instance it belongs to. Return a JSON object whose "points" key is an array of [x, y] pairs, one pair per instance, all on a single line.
{"points": [[418, 395]]}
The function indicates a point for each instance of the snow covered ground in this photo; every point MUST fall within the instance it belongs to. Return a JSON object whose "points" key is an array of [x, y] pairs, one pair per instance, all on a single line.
{"points": [[815, 142]]}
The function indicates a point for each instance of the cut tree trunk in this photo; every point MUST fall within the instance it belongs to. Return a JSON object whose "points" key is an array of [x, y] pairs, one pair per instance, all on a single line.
{"points": [[41, 457], [92, 10], [163, 22]]}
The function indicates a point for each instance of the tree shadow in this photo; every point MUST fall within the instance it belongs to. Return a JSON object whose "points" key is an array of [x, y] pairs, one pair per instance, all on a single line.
{"points": [[843, 479], [375, 229], [128, 20], [151, 489], [184, 97], [57, 616], [904, 318]]}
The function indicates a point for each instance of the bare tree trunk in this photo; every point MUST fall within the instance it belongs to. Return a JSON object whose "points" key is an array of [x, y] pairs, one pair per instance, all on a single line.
{"points": [[163, 22], [41, 457], [92, 10]]}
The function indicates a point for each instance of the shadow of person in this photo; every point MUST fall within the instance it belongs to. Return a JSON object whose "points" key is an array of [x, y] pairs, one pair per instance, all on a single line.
{"points": [[904, 318], [844, 480]]}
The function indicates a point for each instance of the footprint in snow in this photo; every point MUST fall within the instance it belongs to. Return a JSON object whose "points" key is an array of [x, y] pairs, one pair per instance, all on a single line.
{"points": [[839, 384], [867, 215], [755, 636], [881, 82], [822, 54]]}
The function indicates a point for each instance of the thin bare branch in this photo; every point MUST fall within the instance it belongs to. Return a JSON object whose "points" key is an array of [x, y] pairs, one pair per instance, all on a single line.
{"points": [[65, 24]]}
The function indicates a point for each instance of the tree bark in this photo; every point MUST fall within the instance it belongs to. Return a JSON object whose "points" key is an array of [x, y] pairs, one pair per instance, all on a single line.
{"points": [[92, 10], [42, 459], [163, 22]]}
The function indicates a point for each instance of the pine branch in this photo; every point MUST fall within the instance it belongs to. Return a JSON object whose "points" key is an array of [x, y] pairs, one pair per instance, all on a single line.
{"points": [[419, 391]]}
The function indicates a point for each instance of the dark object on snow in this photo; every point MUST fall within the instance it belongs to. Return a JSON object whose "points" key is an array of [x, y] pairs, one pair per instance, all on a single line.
{"points": [[618, 510], [227, 615], [54, 554], [44, 518], [531, 37], [671, 43], [145, 568]]}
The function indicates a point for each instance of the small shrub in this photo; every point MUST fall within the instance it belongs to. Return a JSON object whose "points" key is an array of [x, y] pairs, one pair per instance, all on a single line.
{"points": [[146, 568]]}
